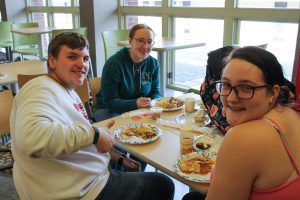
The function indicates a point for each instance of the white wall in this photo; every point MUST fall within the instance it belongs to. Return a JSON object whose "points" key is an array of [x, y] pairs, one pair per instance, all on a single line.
{"points": [[13, 10]]}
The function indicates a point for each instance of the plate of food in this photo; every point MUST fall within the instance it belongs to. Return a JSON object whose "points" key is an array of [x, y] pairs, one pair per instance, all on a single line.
{"points": [[168, 104], [196, 166], [138, 133], [203, 142]]}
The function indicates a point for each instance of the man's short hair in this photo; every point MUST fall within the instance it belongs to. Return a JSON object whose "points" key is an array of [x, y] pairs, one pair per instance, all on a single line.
{"points": [[70, 39]]}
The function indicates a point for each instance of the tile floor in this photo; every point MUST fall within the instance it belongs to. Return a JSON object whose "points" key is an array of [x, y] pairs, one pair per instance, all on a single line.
{"points": [[180, 188], [7, 188]]}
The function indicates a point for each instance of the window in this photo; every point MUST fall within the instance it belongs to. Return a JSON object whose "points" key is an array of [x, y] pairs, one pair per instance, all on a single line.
{"points": [[64, 15], [219, 23], [142, 2], [62, 20], [36, 2], [190, 64], [279, 37], [61, 2], [198, 3], [268, 4], [41, 18], [153, 22]]}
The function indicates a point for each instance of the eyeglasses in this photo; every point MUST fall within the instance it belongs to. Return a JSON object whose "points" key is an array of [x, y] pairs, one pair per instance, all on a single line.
{"points": [[241, 91], [141, 41]]}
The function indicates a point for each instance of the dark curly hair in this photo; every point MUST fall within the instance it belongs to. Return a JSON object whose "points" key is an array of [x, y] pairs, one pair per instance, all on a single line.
{"points": [[270, 67]]}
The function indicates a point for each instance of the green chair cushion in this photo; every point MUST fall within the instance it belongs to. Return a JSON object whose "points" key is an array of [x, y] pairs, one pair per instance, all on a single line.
{"points": [[27, 51]]}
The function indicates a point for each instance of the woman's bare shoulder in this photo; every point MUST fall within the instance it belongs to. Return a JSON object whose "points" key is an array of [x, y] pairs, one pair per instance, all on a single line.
{"points": [[250, 130], [247, 138]]}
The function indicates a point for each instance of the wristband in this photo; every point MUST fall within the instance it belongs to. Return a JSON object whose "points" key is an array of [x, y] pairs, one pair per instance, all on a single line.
{"points": [[121, 158], [96, 136]]}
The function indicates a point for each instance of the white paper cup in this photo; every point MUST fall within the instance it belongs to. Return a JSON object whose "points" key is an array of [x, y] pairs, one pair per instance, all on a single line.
{"points": [[189, 104], [156, 112]]}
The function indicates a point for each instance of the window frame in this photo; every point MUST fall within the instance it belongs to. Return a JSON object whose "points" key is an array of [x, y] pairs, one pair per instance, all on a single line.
{"points": [[50, 10], [231, 15]]}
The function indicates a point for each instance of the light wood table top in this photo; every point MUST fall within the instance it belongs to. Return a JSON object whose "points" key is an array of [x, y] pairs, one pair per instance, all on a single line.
{"points": [[11, 70], [162, 153], [33, 30]]}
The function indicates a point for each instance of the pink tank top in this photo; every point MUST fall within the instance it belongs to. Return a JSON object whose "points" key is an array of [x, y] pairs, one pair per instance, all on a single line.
{"points": [[289, 190]]}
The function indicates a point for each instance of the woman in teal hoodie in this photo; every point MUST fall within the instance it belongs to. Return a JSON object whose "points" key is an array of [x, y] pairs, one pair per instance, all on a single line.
{"points": [[130, 78]]}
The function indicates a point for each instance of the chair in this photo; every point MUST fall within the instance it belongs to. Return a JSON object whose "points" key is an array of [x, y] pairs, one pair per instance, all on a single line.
{"points": [[85, 96], [110, 41], [24, 78], [81, 30], [95, 86], [82, 91], [100, 114], [6, 40], [25, 44], [6, 159]]}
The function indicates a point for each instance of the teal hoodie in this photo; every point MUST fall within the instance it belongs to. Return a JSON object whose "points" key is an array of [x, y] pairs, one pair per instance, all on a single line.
{"points": [[123, 82]]}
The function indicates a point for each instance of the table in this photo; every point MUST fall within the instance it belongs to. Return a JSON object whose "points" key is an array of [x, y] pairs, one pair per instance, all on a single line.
{"points": [[39, 31], [11, 70], [162, 45], [162, 153]]}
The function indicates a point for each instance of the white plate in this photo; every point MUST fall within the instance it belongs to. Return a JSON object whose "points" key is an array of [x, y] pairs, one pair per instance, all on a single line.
{"points": [[154, 102], [195, 177], [134, 139], [203, 138], [190, 117]]}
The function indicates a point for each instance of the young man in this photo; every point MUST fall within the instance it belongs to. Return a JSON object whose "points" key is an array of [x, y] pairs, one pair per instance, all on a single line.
{"points": [[58, 153]]}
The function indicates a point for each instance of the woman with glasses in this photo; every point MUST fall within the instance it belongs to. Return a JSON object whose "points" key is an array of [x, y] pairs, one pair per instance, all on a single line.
{"points": [[130, 78], [260, 155]]}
